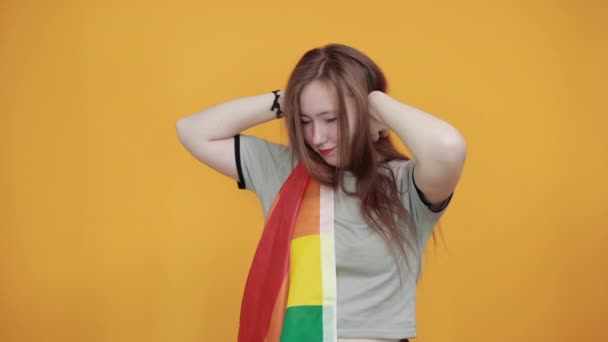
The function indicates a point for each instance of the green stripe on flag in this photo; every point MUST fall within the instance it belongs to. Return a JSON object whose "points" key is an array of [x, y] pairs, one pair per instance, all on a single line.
{"points": [[303, 323]]}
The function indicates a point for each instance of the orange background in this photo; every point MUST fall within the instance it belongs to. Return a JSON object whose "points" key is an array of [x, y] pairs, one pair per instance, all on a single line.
{"points": [[111, 231]]}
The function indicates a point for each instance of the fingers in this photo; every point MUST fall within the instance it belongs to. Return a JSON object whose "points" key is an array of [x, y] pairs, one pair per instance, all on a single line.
{"points": [[379, 134], [383, 133], [378, 129]]}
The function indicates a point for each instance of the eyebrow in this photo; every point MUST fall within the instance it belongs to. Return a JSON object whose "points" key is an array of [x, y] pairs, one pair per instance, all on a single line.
{"points": [[319, 114]]}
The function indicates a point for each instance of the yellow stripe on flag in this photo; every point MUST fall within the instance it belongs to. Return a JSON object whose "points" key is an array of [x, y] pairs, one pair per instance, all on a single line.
{"points": [[305, 272]]}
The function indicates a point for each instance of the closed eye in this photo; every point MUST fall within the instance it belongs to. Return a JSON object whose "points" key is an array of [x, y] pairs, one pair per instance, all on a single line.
{"points": [[326, 120]]}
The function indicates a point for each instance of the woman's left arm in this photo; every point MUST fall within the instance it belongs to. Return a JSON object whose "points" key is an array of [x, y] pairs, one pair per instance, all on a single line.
{"points": [[438, 147]]}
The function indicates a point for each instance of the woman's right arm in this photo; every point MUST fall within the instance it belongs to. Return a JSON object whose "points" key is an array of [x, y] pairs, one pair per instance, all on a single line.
{"points": [[209, 135]]}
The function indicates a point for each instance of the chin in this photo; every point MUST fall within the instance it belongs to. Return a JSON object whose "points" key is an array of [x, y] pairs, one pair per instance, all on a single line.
{"points": [[331, 161]]}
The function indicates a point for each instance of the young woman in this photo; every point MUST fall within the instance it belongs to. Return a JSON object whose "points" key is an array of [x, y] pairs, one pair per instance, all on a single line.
{"points": [[347, 215]]}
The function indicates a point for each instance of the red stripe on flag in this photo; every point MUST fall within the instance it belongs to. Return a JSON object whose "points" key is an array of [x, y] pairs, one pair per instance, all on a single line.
{"points": [[270, 264]]}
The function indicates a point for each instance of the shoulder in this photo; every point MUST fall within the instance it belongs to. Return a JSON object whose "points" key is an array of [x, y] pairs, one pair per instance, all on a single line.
{"points": [[401, 170], [261, 144], [262, 163], [264, 150]]}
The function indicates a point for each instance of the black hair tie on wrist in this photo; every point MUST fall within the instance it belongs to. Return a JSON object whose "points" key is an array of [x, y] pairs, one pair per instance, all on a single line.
{"points": [[276, 104]]}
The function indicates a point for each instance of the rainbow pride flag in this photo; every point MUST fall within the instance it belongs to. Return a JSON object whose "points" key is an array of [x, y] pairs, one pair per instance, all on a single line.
{"points": [[290, 294]]}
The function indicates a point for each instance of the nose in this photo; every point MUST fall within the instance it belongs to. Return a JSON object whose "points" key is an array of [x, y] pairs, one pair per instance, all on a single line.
{"points": [[319, 135]]}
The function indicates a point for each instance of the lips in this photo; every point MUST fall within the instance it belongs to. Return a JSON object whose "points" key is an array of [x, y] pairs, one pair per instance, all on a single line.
{"points": [[326, 152]]}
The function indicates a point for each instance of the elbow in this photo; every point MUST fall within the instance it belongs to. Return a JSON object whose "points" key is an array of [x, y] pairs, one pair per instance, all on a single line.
{"points": [[190, 133], [453, 147], [181, 130]]}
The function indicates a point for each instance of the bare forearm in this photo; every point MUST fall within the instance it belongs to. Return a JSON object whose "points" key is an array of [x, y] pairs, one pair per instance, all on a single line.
{"points": [[227, 119], [429, 138]]}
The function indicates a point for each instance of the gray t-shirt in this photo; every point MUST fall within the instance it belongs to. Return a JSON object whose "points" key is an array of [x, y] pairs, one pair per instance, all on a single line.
{"points": [[372, 303]]}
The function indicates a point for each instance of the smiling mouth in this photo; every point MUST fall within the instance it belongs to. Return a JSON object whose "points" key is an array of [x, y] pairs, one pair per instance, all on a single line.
{"points": [[326, 152]]}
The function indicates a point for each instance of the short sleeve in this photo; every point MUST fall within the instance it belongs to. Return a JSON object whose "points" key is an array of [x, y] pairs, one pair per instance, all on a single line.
{"points": [[423, 216], [262, 166]]}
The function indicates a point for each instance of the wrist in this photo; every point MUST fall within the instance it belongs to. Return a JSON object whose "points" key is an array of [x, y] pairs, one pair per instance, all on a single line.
{"points": [[374, 95], [277, 104], [373, 98]]}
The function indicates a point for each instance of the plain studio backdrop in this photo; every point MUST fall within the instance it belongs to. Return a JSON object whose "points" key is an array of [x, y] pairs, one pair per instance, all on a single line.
{"points": [[111, 232]]}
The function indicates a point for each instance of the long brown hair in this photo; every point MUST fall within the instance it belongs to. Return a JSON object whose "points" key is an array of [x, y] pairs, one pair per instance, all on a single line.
{"points": [[352, 74]]}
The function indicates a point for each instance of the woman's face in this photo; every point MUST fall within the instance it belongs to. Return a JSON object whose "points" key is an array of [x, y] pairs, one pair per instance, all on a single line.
{"points": [[319, 119]]}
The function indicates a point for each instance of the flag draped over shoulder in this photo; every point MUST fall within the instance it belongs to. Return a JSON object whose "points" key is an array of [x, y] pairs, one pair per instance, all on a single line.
{"points": [[290, 294]]}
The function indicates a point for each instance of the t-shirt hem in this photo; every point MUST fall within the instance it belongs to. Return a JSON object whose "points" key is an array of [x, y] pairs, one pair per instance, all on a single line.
{"points": [[388, 334]]}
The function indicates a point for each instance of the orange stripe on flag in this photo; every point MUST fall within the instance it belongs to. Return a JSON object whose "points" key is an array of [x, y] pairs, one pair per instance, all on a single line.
{"points": [[307, 222], [278, 314]]}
